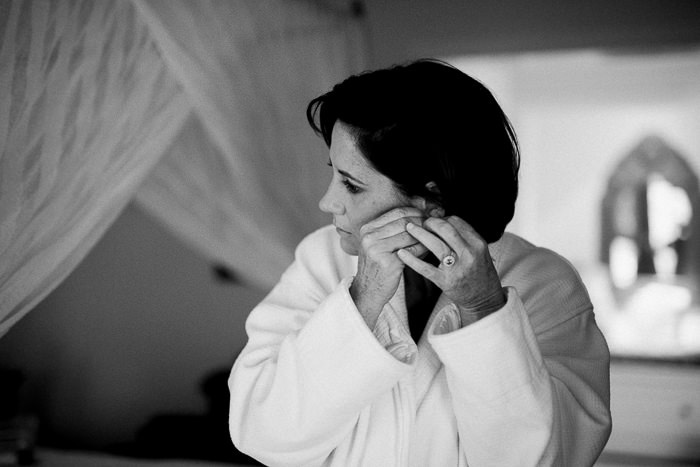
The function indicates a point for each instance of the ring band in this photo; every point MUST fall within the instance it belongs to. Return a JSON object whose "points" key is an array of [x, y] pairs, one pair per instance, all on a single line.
{"points": [[448, 260]]}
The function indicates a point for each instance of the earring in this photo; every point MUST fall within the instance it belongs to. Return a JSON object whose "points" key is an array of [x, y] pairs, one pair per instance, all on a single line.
{"points": [[432, 187], [436, 212]]}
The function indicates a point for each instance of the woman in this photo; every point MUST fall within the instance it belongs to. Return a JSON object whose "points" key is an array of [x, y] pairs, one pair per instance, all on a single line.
{"points": [[414, 331]]}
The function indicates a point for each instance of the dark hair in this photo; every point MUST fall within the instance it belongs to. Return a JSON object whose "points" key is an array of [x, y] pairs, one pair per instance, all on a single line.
{"points": [[428, 121]]}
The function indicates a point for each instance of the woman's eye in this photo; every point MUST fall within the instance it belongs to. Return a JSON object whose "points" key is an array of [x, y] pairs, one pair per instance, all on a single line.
{"points": [[353, 189]]}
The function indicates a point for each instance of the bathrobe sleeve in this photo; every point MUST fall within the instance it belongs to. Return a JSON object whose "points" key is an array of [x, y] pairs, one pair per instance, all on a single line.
{"points": [[530, 382], [310, 366]]}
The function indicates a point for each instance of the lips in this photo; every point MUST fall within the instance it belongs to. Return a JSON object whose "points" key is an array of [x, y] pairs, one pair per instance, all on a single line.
{"points": [[341, 230]]}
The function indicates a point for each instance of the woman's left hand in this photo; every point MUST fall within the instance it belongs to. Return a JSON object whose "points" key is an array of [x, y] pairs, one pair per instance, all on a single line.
{"points": [[470, 280]]}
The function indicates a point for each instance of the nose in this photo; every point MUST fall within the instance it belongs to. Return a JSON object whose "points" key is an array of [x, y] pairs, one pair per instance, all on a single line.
{"points": [[330, 203]]}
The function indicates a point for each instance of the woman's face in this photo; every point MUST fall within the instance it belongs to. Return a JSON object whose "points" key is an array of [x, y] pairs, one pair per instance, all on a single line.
{"points": [[357, 193]]}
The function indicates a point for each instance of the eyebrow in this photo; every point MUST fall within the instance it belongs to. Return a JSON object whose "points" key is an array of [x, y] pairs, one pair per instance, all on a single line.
{"points": [[347, 175]]}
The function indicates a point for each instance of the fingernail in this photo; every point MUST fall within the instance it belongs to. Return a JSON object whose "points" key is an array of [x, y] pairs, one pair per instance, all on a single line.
{"points": [[410, 225], [436, 212]]}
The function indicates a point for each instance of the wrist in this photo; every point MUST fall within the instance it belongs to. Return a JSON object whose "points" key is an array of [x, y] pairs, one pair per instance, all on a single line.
{"points": [[368, 311], [483, 307]]}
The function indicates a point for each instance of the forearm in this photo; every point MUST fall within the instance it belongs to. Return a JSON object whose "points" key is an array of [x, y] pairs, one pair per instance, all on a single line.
{"points": [[503, 390], [296, 396], [500, 391]]}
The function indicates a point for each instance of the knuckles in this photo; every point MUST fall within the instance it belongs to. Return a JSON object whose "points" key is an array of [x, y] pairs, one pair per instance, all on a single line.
{"points": [[368, 238], [403, 212], [365, 229]]}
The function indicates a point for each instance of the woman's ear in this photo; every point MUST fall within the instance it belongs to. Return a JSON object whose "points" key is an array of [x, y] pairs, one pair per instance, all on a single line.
{"points": [[430, 207]]}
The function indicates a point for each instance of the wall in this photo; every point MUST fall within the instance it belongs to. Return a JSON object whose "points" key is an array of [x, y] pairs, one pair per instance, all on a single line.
{"points": [[577, 114], [131, 333], [403, 29]]}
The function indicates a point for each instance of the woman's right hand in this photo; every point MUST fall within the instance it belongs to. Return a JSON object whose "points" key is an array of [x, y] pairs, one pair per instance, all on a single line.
{"points": [[379, 269]]}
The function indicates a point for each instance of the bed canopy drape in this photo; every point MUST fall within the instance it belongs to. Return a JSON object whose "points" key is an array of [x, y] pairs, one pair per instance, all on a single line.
{"points": [[195, 109]]}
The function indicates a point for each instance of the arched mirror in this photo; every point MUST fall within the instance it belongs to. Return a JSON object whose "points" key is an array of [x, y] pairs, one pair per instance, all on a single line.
{"points": [[651, 229]]}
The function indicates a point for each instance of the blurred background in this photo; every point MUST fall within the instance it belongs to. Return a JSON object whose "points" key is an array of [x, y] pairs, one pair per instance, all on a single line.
{"points": [[157, 170]]}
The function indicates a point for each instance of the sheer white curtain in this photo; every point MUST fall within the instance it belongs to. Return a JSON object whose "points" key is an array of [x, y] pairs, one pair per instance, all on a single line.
{"points": [[242, 181], [86, 108], [94, 92]]}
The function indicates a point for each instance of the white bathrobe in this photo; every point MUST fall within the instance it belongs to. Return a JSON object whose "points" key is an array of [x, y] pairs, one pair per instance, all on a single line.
{"points": [[527, 385]]}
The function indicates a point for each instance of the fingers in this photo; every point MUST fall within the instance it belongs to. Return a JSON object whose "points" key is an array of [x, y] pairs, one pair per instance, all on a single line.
{"points": [[390, 229], [465, 229], [426, 270], [388, 233], [418, 250], [432, 242], [457, 233], [398, 241], [447, 233], [401, 216]]}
